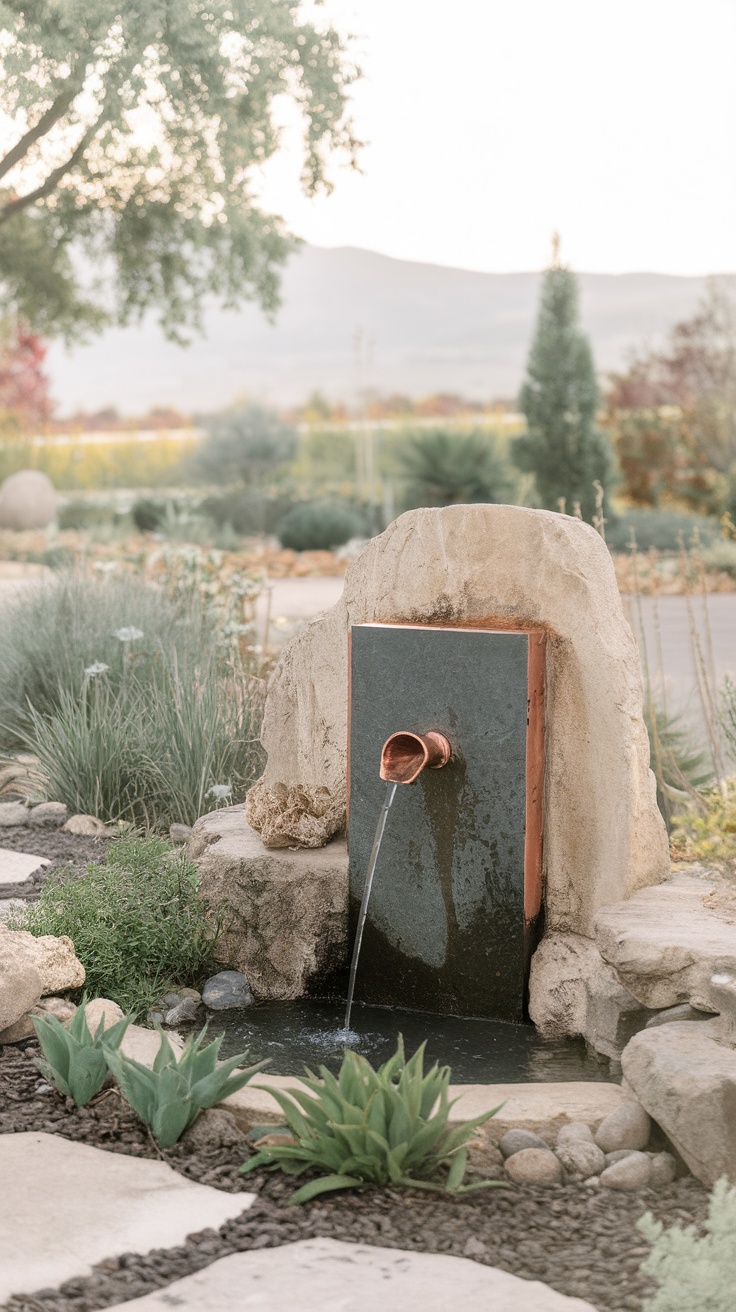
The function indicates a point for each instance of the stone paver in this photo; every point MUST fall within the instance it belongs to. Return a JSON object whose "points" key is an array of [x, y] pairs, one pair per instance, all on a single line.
{"points": [[326, 1275], [15, 867], [65, 1206]]}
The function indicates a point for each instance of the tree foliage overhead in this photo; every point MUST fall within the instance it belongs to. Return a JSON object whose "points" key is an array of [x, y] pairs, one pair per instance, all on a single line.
{"points": [[131, 129], [563, 447], [673, 413]]}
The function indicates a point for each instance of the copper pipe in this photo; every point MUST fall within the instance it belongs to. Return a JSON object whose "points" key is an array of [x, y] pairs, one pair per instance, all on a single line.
{"points": [[405, 755]]}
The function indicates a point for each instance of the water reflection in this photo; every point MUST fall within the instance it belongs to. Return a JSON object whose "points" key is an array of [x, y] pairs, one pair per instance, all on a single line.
{"points": [[298, 1034]]}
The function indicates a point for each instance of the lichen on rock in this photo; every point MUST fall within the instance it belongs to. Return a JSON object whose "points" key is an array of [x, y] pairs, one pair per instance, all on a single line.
{"points": [[294, 815]]}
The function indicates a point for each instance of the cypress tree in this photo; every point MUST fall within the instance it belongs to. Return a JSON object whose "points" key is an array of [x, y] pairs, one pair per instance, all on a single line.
{"points": [[563, 447]]}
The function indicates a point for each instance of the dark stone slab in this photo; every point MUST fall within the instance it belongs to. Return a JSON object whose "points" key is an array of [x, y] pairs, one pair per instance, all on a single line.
{"points": [[445, 929]]}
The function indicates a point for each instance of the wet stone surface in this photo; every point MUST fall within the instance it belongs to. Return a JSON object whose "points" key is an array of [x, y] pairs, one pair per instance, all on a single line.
{"points": [[579, 1240]]}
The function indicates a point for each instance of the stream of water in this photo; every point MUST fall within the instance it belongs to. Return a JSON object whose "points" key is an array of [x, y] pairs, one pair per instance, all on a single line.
{"points": [[377, 840]]}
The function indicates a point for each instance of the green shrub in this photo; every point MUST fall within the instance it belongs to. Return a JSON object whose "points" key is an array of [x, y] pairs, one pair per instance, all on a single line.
{"points": [[320, 526], [147, 515], [383, 1127], [86, 514], [446, 467], [137, 922], [244, 444], [170, 1097], [720, 555], [53, 632], [658, 529], [679, 763], [247, 512], [76, 1060], [694, 1274]]}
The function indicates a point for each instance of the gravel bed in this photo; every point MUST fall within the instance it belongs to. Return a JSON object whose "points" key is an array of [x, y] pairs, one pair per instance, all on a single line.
{"points": [[69, 854], [581, 1241]]}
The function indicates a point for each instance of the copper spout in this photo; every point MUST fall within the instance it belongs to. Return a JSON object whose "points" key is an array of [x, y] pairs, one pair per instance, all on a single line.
{"points": [[405, 755]]}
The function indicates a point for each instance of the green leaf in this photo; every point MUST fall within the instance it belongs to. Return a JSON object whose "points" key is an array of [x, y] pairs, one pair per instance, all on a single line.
{"points": [[325, 1184], [457, 1169]]}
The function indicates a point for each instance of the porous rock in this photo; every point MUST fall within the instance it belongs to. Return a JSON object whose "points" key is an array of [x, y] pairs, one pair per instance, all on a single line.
{"points": [[27, 501], [98, 1008], [287, 922], [628, 1174], [573, 992], [295, 816], [47, 815], [54, 958], [665, 943], [13, 814], [21, 982], [686, 1080], [534, 1166], [628, 1127], [214, 1128], [580, 1157], [225, 991], [467, 565], [515, 1140], [83, 824]]}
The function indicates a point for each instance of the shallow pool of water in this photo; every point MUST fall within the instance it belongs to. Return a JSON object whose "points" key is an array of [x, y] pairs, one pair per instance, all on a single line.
{"points": [[305, 1033]]}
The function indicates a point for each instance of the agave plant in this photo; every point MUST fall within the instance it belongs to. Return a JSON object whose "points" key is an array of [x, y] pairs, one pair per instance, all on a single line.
{"points": [[388, 1126], [170, 1096], [77, 1060]]}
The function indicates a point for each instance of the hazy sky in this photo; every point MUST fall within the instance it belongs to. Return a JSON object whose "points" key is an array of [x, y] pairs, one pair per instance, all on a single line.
{"points": [[492, 122]]}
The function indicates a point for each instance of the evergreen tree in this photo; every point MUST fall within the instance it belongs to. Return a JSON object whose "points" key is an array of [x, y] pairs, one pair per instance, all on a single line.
{"points": [[563, 447]]}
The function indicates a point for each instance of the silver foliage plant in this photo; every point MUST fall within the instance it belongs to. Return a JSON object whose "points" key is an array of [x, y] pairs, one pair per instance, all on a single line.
{"points": [[170, 1096], [694, 1274]]}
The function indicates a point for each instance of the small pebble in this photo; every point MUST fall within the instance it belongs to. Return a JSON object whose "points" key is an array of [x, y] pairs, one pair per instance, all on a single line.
{"points": [[515, 1140]]}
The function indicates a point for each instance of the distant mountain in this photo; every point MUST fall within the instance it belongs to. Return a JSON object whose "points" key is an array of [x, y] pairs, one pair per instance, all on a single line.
{"points": [[427, 328]]}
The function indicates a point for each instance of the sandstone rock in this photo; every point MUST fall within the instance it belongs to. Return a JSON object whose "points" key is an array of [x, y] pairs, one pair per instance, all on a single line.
{"points": [[663, 1170], [27, 501], [13, 814], [516, 1140], [53, 958], [534, 1166], [723, 995], [686, 1080], [629, 1174], [683, 1011], [575, 1132], [295, 816], [665, 943], [226, 991], [21, 1029], [99, 1007], [47, 815], [628, 1127], [288, 911], [580, 1157], [180, 833], [604, 836], [572, 991], [61, 1008], [21, 982], [83, 824], [213, 1128]]}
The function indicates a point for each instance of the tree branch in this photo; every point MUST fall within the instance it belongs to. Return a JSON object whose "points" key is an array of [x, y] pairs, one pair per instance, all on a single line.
{"points": [[52, 181], [44, 125]]}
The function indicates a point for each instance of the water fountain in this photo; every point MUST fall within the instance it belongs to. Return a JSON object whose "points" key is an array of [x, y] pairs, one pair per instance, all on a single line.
{"points": [[500, 630]]}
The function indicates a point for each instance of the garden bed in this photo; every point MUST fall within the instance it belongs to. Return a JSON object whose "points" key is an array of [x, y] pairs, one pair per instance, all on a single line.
{"points": [[581, 1241]]}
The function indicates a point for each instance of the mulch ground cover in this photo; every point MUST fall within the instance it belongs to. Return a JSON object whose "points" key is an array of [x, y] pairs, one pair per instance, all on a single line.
{"points": [[68, 854], [581, 1241]]}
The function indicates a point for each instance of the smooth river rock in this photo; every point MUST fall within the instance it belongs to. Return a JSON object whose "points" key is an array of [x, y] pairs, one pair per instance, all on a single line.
{"points": [[534, 1166], [631, 1173], [473, 565], [628, 1127], [516, 1140]]}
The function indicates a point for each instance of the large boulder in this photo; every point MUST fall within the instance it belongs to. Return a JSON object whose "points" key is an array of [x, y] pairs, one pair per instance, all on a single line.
{"points": [[573, 992], [665, 943], [505, 566], [287, 911], [21, 984], [686, 1080], [27, 501], [54, 959]]}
